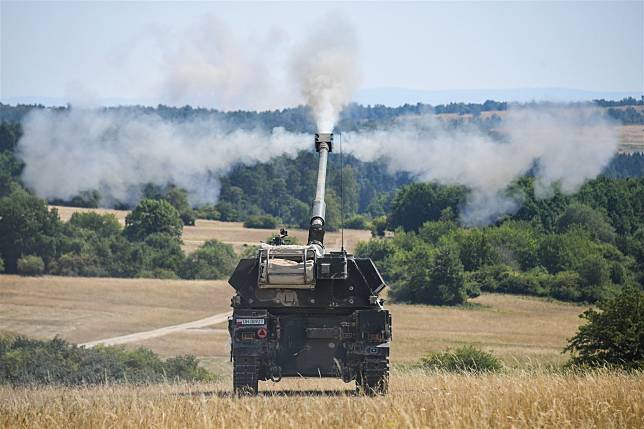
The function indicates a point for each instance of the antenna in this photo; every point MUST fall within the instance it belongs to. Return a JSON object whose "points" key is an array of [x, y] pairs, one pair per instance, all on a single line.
{"points": [[341, 194]]}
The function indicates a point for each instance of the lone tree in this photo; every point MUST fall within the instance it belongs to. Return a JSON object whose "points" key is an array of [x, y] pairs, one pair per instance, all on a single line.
{"points": [[614, 335], [153, 216]]}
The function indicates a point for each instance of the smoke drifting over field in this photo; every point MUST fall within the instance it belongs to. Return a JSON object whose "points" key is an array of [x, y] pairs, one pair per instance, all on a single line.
{"points": [[117, 151], [561, 146], [78, 150], [326, 71]]}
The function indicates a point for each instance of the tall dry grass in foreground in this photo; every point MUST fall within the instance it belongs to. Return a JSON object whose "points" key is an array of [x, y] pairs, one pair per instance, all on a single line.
{"points": [[515, 399]]}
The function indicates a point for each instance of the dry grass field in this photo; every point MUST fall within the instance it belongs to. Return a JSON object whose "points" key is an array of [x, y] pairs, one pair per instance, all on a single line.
{"points": [[527, 333], [84, 309], [517, 400], [523, 331], [232, 233], [632, 138]]}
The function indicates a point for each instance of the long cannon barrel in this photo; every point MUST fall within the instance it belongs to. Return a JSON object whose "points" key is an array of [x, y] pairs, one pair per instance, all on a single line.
{"points": [[323, 145]]}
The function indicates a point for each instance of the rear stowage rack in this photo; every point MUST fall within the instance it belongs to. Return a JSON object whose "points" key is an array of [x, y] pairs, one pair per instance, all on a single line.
{"points": [[287, 266]]}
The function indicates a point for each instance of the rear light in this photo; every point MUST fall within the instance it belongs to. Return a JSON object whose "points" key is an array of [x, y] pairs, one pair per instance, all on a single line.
{"points": [[262, 333]]}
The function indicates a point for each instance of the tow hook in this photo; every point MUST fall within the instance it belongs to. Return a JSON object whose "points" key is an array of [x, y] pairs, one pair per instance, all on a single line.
{"points": [[276, 373]]}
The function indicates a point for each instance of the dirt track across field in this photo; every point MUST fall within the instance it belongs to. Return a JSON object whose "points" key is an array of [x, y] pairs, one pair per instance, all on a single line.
{"points": [[145, 335]]}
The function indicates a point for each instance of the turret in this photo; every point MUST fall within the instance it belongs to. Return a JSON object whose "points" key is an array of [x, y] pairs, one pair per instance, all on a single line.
{"points": [[323, 145]]}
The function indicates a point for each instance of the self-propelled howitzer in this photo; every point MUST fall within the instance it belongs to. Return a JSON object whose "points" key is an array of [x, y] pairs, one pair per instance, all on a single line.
{"points": [[300, 310]]}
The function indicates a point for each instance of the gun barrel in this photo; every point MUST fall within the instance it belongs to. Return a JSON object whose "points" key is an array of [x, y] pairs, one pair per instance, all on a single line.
{"points": [[323, 145], [319, 206]]}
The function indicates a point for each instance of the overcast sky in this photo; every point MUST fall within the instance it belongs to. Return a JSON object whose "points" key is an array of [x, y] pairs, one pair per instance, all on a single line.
{"points": [[118, 51]]}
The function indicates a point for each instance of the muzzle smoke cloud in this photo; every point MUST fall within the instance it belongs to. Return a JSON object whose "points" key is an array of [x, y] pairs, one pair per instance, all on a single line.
{"points": [[561, 146], [325, 67], [208, 65], [117, 153]]}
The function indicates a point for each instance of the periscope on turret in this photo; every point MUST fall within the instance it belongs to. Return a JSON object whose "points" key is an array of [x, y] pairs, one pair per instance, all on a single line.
{"points": [[305, 311]]}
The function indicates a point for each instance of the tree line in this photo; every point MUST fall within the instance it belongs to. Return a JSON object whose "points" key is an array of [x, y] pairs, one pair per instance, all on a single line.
{"points": [[298, 119], [35, 241], [579, 248]]}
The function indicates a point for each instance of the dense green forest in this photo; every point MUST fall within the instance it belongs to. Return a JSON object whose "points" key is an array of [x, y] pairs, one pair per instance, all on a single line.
{"points": [[578, 248]]}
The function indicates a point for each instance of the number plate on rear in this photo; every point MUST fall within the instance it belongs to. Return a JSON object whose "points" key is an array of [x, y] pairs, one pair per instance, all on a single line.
{"points": [[250, 322]]}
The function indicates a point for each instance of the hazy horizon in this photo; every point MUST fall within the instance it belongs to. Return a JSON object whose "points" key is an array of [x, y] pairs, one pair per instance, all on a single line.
{"points": [[236, 55]]}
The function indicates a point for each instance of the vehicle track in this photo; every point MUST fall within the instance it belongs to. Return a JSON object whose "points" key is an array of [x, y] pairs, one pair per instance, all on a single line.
{"points": [[139, 336]]}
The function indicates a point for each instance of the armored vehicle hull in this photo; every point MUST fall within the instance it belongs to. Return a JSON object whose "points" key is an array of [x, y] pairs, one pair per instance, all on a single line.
{"points": [[337, 329], [301, 311]]}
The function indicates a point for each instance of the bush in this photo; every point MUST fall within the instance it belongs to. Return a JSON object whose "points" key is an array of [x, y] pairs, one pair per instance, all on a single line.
{"points": [[164, 253], [188, 218], [207, 211], [418, 203], [555, 254], [153, 216], [27, 227], [31, 266], [157, 273], [565, 286], [106, 225], [515, 243], [358, 222], [528, 283], [214, 260], [476, 250], [78, 264], [613, 334], [380, 251], [431, 277], [462, 359], [588, 218], [379, 226], [24, 361], [262, 221], [1, 265]]}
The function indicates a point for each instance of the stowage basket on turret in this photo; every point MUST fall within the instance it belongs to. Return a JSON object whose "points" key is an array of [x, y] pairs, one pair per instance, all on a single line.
{"points": [[303, 311]]}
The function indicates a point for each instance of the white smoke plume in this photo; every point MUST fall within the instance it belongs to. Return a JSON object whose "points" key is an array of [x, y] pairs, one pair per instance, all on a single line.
{"points": [[116, 152], [325, 67], [562, 146], [210, 65]]}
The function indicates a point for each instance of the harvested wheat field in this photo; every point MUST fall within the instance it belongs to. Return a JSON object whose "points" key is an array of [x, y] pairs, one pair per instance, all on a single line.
{"points": [[232, 233], [518, 399]]}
